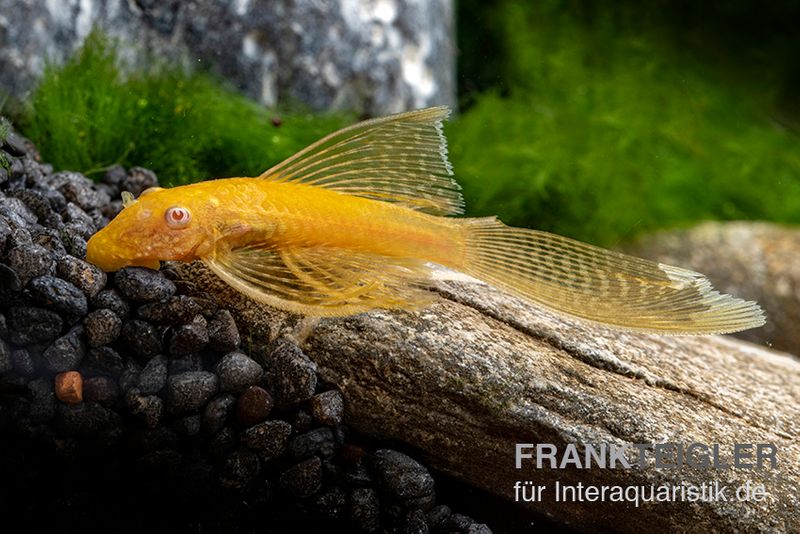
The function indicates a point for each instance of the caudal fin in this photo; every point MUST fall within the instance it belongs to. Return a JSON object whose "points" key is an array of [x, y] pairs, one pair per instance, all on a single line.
{"points": [[601, 285]]}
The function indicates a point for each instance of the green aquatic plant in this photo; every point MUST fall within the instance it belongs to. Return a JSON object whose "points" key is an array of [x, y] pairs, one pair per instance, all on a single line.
{"points": [[601, 132], [5, 127], [89, 113]]}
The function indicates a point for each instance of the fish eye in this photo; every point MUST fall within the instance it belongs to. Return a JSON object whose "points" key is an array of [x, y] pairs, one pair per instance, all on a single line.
{"points": [[177, 217]]}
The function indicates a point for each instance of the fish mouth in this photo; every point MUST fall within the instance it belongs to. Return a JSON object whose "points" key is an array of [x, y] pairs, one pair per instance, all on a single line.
{"points": [[98, 254]]}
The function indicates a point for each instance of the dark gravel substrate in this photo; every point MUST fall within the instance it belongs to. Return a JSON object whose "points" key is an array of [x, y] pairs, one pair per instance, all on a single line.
{"points": [[127, 405]]}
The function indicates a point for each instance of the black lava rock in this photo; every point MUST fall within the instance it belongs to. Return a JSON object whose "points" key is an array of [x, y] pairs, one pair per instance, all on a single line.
{"points": [[148, 408], [141, 338], [187, 392], [303, 479], [6, 363], [365, 509], [268, 438], [318, 441], [58, 294], [105, 361], [100, 389], [144, 285], [31, 325], [189, 338], [328, 407], [84, 419], [102, 327], [23, 363], [292, 375], [222, 332], [217, 412], [331, 504], [81, 274], [138, 180], [153, 376], [416, 522], [66, 352], [237, 372], [30, 261], [111, 299], [400, 475], [43, 400], [79, 189], [240, 469], [176, 310]]}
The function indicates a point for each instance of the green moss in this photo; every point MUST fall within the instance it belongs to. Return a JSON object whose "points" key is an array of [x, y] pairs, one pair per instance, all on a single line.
{"points": [[87, 115], [601, 132], [4, 129]]}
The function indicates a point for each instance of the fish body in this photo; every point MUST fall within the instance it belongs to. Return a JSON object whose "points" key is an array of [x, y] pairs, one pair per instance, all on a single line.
{"points": [[355, 221]]}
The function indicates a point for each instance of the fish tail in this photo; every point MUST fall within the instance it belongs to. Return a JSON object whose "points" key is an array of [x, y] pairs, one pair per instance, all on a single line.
{"points": [[600, 285]]}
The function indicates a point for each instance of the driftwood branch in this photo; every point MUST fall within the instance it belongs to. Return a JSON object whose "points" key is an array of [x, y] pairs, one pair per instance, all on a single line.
{"points": [[468, 378]]}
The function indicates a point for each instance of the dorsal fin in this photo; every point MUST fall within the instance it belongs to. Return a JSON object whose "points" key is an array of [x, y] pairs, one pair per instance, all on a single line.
{"points": [[401, 158]]}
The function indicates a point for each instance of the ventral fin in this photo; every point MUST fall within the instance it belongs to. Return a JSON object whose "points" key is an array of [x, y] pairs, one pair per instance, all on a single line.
{"points": [[401, 158], [322, 281]]}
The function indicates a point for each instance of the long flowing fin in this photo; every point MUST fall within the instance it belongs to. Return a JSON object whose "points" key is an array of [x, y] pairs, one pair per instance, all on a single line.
{"points": [[320, 280], [401, 158], [601, 285]]}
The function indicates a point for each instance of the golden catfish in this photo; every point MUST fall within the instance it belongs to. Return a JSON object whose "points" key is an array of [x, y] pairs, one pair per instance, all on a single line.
{"points": [[356, 222]]}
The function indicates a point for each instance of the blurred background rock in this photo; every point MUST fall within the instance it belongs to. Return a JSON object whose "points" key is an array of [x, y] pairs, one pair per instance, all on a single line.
{"points": [[374, 56]]}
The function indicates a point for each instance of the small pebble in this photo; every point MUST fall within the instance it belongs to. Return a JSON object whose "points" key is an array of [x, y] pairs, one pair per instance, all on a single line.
{"points": [[148, 408], [87, 419], [438, 516], [240, 469], [104, 360], [328, 407], [79, 189], [331, 504], [144, 285], [31, 325], [74, 242], [365, 509], [100, 389], [237, 372], [176, 310], [66, 352], [31, 261], [217, 412], [6, 363], [188, 426], [153, 376], [268, 438], [318, 441], [59, 295], [102, 327], [43, 400], [187, 392], [81, 274], [222, 332], [111, 299], [23, 363], [139, 179], [141, 338], [304, 479], [415, 522], [292, 375], [189, 338], [69, 387], [400, 475], [254, 405]]}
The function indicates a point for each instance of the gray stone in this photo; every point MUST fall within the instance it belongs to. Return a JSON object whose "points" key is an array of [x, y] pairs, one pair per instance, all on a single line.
{"points": [[81, 274], [328, 407], [217, 412], [268, 438], [237, 372], [31, 325], [145, 285], [153, 377], [373, 57], [31, 261], [303, 479], [102, 327], [58, 294], [189, 391], [400, 475], [66, 352], [223, 335], [189, 338]]}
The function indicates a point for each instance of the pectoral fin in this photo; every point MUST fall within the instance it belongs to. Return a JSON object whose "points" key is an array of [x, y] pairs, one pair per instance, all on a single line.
{"points": [[322, 281]]}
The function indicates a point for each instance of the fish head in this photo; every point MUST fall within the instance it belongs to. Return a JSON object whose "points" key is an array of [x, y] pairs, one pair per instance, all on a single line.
{"points": [[161, 225]]}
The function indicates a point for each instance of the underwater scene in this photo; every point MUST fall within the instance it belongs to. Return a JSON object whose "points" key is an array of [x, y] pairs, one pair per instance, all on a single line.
{"points": [[395, 266]]}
